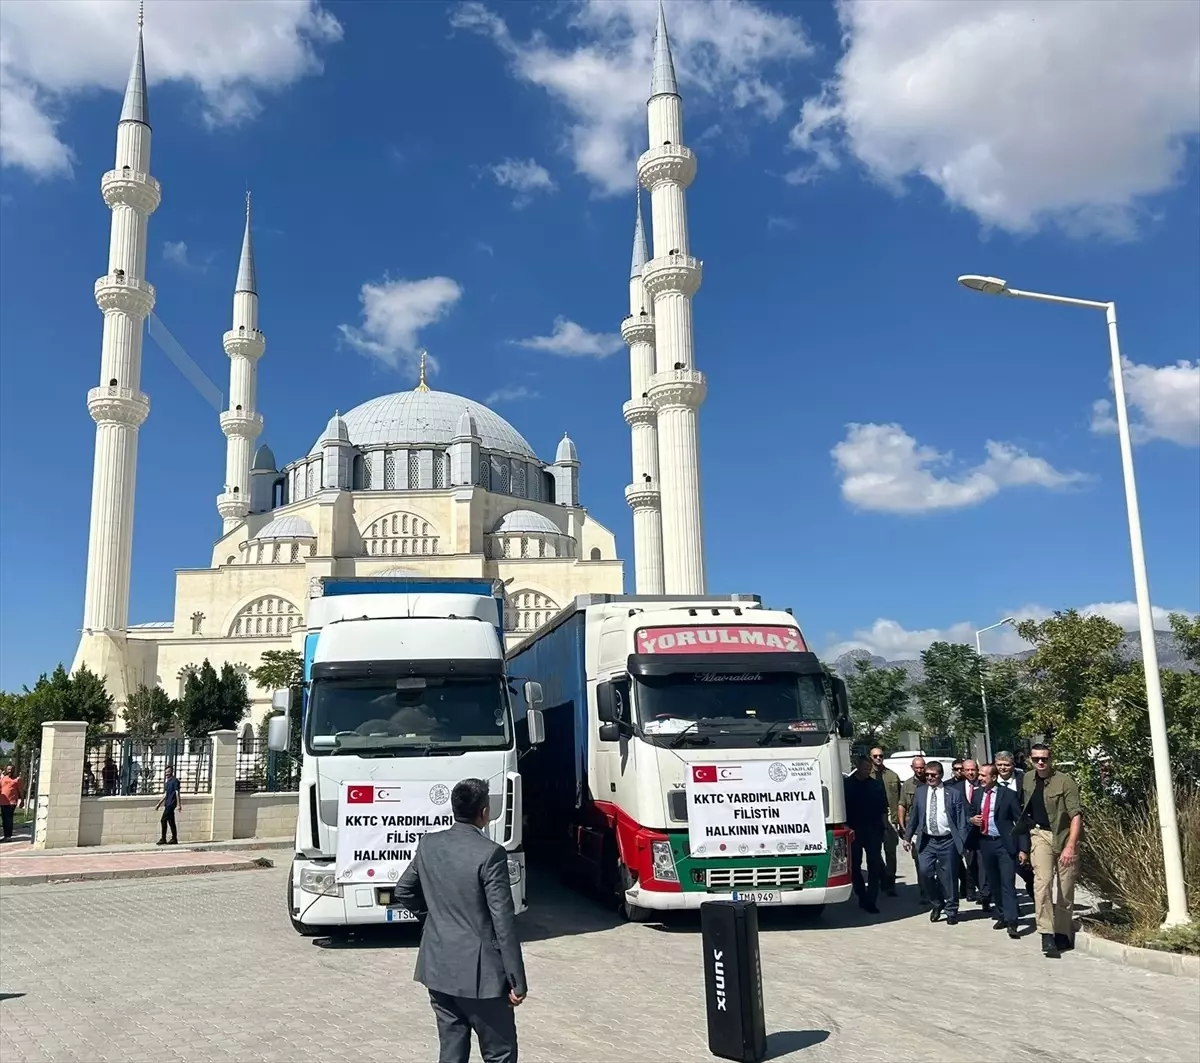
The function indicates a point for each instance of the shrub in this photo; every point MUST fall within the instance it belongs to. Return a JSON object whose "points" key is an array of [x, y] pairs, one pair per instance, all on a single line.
{"points": [[1121, 861]]}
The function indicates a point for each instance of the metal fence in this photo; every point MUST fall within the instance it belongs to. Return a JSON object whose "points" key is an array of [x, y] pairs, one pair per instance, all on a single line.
{"points": [[117, 766], [262, 770]]}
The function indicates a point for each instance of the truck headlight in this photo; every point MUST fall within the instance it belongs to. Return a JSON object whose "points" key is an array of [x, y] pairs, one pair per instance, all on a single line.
{"points": [[320, 881], [839, 858], [663, 861], [514, 871]]}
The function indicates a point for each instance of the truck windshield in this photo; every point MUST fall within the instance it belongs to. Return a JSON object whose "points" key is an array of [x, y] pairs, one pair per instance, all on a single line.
{"points": [[708, 703], [431, 714]]}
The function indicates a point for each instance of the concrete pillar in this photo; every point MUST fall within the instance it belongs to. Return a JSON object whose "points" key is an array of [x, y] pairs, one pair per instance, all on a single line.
{"points": [[60, 784], [224, 779]]}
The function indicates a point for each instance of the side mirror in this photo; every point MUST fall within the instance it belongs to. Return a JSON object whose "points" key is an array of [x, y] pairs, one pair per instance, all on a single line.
{"points": [[281, 701], [609, 732], [279, 733], [537, 726], [533, 695], [606, 711], [841, 700]]}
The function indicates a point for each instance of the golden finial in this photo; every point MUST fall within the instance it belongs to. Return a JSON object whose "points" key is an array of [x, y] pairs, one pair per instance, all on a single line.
{"points": [[141, 14], [421, 385]]}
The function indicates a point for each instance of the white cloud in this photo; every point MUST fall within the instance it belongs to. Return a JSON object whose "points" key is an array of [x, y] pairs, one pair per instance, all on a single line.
{"points": [[884, 469], [574, 341], [1019, 110], [524, 176], [724, 52], [510, 394], [891, 640], [230, 52], [394, 313], [1164, 403]]}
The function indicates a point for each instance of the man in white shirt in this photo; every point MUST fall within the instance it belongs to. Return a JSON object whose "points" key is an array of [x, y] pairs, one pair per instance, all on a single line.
{"points": [[937, 825]]}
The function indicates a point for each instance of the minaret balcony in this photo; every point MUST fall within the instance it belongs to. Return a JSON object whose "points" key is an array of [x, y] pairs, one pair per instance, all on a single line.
{"points": [[677, 387], [673, 273], [637, 329], [639, 411], [666, 164], [642, 496], [131, 188], [114, 405], [232, 505], [240, 423], [118, 291], [244, 342]]}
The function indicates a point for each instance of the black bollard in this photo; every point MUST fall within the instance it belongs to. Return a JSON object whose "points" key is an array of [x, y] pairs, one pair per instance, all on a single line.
{"points": [[737, 1026]]}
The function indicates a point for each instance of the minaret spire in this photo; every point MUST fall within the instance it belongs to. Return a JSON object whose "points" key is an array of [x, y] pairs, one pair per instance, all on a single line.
{"points": [[642, 495], [671, 279], [117, 405], [241, 424], [421, 385], [662, 80]]}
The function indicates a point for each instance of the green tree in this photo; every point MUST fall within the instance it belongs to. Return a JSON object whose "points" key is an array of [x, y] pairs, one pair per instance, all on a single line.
{"points": [[150, 714], [1009, 700], [879, 699], [87, 698], [213, 701], [949, 693], [280, 670]]}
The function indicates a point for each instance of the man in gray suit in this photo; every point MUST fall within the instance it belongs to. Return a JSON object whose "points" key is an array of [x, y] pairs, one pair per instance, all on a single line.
{"points": [[470, 955], [937, 825]]}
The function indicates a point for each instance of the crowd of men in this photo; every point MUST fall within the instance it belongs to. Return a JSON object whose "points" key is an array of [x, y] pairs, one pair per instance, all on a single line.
{"points": [[971, 837]]}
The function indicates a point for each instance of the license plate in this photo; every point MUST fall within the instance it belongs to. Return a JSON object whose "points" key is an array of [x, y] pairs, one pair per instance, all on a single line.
{"points": [[758, 896], [400, 915]]}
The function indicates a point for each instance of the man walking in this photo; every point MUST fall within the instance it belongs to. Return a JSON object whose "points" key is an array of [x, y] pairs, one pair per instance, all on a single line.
{"points": [[995, 813], [170, 804], [937, 825], [10, 794], [1052, 811], [866, 815], [966, 866], [1009, 776], [892, 823], [908, 797], [470, 955]]}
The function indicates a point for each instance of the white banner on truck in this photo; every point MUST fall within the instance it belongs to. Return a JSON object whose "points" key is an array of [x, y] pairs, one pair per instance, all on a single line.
{"points": [[755, 808], [379, 827]]}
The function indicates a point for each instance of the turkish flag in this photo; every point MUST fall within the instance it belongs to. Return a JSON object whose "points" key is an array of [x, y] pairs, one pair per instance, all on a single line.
{"points": [[704, 773], [360, 795]]}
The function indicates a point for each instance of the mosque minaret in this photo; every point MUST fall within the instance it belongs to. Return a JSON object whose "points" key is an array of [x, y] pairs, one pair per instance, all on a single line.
{"points": [[670, 279]]}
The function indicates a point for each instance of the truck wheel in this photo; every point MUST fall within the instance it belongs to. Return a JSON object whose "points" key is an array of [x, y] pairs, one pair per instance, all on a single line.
{"points": [[303, 929], [631, 913]]}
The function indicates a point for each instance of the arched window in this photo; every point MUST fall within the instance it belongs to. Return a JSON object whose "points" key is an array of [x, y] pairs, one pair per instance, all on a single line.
{"points": [[518, 485], [400, 533], [504, 477], [595, 554], [182, 676], [484, 478], [358, 479], [247, 741], [268, 615], [529, 610]]}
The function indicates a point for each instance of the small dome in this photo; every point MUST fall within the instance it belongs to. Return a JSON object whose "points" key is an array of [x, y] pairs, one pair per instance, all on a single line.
{"points": [[287, 528], [566, 450], [336, 431], [264, 460], [466, 426], [523, 521]]}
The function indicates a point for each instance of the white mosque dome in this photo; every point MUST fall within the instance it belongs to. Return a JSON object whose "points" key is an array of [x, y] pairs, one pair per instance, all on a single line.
{"points": [[524, 522], [423, 418], [287, 528]]}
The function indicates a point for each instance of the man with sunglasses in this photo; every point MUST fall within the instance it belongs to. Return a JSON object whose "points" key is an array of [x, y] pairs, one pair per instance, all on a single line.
{"points": [[892, 823], [1053, 815], [937, 828], [908, 797]]}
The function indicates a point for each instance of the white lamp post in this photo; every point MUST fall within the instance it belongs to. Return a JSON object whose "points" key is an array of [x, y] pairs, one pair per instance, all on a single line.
{"points": [[987, 727], [1177, 910]]}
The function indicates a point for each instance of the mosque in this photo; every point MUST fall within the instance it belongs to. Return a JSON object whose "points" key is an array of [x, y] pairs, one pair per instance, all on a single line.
{"points": [[418, 482]]}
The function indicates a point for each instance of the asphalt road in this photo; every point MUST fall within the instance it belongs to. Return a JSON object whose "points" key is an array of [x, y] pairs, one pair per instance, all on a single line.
{"points": [[208, 968]]}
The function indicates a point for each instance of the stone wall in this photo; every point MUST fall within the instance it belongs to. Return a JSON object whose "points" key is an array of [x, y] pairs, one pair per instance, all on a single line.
{"points": [[265, 815], [133, 820]]}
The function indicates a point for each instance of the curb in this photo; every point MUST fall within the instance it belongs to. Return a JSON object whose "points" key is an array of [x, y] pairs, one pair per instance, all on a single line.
{"points": [[1176, 963], [134, 872]]}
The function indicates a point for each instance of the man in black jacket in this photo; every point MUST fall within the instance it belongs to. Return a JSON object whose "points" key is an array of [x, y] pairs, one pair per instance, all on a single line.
{"points": [[866, 815], [995, 813]]}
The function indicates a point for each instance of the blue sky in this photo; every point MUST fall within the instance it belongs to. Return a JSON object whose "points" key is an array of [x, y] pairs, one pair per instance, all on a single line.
{"points": [[894, 457]]}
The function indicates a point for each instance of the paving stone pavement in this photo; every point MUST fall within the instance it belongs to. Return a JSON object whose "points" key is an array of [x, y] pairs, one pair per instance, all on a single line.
{"points": [[207, 968]]}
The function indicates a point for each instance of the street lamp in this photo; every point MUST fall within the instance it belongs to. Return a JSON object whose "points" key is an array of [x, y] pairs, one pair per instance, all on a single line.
{"points": [[1177, 910], [987, 727]]}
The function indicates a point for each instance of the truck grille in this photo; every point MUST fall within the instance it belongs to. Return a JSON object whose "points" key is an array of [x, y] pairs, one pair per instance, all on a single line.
{"points": [[730, 878]]}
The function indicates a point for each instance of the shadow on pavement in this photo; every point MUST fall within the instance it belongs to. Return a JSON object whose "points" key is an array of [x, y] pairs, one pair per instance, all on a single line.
{"points": [[11, 996], [786, 1042]]}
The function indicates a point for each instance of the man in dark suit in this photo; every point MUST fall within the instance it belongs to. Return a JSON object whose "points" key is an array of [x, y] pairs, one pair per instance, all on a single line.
{"points": [[937, 826], [995, 812], [866, 815], [1010, 777], [966, 867], [470, 956]]}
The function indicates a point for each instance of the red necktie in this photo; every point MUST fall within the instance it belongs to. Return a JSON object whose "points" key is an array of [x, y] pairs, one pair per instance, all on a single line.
{"points": [[987, 808]]}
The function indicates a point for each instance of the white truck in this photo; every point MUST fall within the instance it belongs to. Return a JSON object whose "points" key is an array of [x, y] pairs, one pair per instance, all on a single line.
{"points": [[405, 693], [691, 752]]}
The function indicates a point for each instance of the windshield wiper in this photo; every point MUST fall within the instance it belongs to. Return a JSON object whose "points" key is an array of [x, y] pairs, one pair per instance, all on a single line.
{"points": [[766, 735]]}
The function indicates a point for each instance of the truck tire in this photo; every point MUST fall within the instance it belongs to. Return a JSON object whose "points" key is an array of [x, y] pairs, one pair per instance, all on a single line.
{"points": [[631, 913], [303, 929]]}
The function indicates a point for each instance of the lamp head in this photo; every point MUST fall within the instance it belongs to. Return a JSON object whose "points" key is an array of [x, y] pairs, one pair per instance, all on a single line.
{"points": [[987, 285], [1009, 620]]}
